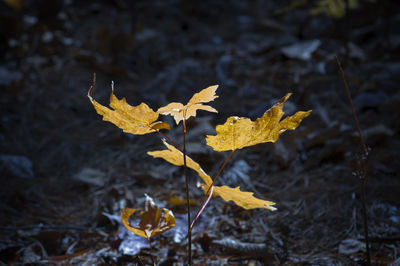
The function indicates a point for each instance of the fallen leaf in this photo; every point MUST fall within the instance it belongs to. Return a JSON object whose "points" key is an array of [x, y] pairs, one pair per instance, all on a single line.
{"points": [[180, 111], [136, 120], [240, 132], [176, 200], [334, 8], [16, 4], [153, 221], [243, 199]]}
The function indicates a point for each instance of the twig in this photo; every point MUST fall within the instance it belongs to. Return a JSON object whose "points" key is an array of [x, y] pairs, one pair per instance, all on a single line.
{"points": [[139, 260], [352, 108], [151, 252], [361, 173]]}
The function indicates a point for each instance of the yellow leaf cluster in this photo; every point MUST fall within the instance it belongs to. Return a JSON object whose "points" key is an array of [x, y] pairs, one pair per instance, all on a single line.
{"points": [[136, 120], [243, 199], [153, 221], [239, 132], [183, 112]]}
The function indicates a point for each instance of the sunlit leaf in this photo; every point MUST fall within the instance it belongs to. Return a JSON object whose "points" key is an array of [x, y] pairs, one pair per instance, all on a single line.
{"points": [[243, 199], [239, 132], [136, 120], [153, 221], [180, 111]]}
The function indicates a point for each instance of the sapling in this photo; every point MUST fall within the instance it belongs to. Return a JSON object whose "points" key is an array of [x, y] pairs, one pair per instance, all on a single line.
{"points": [[361, 171], [236, 133]]}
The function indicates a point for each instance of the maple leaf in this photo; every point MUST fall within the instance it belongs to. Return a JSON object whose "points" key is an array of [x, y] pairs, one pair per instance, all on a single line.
{"points": [[240, 132], [136, 120], [243, 199], [180, 111], [153, 221]]}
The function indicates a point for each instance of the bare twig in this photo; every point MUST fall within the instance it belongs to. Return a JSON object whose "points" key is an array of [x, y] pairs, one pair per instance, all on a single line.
{"points": [[139, 260], [352, 108], [361, 173], [151, 252]]}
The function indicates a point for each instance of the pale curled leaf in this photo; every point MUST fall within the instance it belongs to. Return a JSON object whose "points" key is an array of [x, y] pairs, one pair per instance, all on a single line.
{"points": [[180, 111], [238, 132], [136, 120], [153, 221], [243, 199]]}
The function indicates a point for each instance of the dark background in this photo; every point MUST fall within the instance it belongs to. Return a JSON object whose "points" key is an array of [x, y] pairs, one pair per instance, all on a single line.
{"points": [[62, 168]]}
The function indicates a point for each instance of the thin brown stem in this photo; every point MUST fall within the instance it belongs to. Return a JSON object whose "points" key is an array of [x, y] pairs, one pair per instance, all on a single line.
{"points": [[362, 167], [352, 108], [139, 260], [151, 253], [187, 192], [365, 218], [208, 195]]}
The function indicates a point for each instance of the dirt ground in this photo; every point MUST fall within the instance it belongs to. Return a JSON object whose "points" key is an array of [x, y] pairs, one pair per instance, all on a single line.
{"points": [[65, 174]]}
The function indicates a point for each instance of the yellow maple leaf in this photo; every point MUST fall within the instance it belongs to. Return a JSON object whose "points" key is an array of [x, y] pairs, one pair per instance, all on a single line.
{"points": [[153, 221], [180, 111], [243, 199], [136, 120], [240, 132]]}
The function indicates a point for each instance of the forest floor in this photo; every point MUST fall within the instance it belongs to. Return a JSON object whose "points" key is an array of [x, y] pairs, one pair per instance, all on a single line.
{"points": [[65, 174]]}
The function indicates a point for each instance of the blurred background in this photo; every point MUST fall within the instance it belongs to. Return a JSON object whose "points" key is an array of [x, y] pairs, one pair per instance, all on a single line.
{"points": [[65, 174]]}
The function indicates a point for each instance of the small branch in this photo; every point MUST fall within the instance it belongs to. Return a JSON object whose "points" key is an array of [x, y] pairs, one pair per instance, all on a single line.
{"points": [[139, 260], [362, 172], [151, 252], [352, 108]]}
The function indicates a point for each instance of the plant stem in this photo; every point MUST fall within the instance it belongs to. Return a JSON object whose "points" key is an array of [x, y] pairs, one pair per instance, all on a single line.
{"points": [[187, 192], [362, 173], [365, 218], [209, 192], [151, 252], [364, 146], [139, 260]]}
